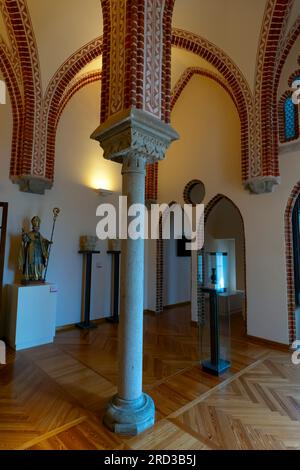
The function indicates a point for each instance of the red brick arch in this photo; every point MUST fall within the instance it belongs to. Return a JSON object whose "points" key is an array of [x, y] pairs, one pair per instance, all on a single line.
{"points": [[145, 59], [11, 80], [160, 255], [269, 65], [237, 84], [287, 46], [289, 252], [208, 209], [28, 160], [55, 93]]}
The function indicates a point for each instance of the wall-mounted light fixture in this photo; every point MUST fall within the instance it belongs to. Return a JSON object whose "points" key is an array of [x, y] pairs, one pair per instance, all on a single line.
{"points": [[104, 192]]}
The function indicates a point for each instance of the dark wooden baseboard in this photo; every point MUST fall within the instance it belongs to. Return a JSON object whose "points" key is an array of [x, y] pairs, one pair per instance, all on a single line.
{"points": [[72, 326], [150, 312], [267, 343], [180, 304], [167, 307]]}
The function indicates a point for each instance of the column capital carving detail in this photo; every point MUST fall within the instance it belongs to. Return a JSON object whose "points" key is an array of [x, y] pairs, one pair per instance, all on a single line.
{"points": [[134, 132]]}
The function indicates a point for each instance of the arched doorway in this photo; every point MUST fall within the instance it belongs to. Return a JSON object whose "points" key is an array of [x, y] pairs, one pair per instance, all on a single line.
{"points": [[225, 239], [292, 247]]}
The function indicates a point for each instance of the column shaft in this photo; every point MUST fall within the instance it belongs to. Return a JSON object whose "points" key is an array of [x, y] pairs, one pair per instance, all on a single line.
{"points": [[132, 291]]}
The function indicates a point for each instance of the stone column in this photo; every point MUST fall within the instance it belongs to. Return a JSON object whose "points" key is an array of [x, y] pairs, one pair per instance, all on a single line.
{"points": [[132, 288], [135, 139]]}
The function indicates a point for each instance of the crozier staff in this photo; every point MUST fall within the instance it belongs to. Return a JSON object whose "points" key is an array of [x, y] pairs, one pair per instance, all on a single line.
{"points": [[56, 212]]}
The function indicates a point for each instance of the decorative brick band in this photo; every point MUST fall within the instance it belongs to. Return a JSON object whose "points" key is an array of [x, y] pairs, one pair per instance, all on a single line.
{"points": [[166, 71], [151, 188], [24, 41], [11, 80], [274, 27], [136, 56], [55, 93], [12, 40], [287, 45], [288, 219], [72, 66]]}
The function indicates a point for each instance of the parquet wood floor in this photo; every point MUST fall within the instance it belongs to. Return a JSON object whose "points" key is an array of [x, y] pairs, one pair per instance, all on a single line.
{"points": [[53, 397]]}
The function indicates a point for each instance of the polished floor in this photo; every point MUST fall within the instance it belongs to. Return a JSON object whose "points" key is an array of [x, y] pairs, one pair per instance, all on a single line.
{"points": [[53, 397]]}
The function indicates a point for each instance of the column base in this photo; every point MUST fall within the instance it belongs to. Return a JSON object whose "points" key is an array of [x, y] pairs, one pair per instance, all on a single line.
{"points": [[130, 417]]}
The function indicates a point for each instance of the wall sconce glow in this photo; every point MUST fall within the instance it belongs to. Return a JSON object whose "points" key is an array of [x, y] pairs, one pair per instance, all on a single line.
{"points": [[103, 183]]}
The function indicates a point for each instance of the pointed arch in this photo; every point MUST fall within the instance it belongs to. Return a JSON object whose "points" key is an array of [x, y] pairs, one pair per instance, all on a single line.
{"points": [[289, 253]]}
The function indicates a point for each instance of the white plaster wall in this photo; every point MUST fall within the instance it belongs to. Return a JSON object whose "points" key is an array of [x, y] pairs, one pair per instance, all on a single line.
{"points": [[233, 25], [209, 149], [79, 165], [61, 27], [177, 275]]}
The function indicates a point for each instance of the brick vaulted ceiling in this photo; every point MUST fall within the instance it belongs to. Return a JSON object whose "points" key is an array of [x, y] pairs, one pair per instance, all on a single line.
{"points": [[235, 41]]}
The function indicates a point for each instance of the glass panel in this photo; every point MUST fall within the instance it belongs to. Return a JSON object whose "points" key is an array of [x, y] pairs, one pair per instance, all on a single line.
{"points": [[200, 269], [215, 334], [217, 270], [290, 118]]}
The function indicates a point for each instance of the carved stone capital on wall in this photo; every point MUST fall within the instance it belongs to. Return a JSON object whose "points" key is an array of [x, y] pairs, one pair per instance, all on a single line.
{"points": [[32, 184], [262, 184], [134, 131]]}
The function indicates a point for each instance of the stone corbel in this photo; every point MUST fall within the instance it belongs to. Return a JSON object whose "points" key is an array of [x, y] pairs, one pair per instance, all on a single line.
{"points": [[32, 184], [262, 184]]}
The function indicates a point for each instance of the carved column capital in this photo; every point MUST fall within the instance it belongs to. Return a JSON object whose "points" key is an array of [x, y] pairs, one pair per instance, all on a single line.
{"points": [[134, 132]]}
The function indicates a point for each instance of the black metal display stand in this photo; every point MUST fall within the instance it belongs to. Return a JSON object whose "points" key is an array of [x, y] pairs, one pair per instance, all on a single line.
{"points": [[116, 287], [87, 324], [215, 365]]}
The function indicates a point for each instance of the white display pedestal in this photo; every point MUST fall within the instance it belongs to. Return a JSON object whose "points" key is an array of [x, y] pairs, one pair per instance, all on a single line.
{"points": [[32, 316]]}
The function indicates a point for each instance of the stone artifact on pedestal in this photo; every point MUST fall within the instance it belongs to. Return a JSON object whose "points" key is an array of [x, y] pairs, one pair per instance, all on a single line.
{"points": [[31, 317]]}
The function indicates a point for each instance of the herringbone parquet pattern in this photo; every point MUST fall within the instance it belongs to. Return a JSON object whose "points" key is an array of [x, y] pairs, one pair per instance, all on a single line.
{"points": [[53, 397], [258, 410]]}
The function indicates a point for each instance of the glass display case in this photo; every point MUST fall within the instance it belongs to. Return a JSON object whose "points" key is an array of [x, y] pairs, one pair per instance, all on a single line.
{"points": [[214, 330], [217, 275]]}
